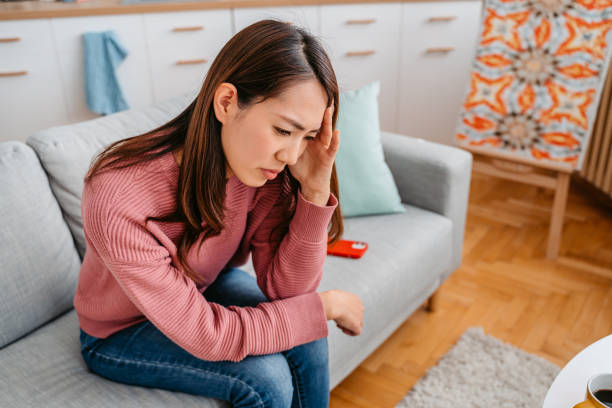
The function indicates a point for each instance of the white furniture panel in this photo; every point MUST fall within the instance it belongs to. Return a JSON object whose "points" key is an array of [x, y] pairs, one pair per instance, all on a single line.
{"points": [[33, 34], [363, 43], [304, 16], [438, 45], [133, 73], [68, 30], [421, 52], [32, 100], [182, 46]]}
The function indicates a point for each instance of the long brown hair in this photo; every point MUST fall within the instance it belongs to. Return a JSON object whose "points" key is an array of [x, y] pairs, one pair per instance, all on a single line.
{"points": [[261, 61]]}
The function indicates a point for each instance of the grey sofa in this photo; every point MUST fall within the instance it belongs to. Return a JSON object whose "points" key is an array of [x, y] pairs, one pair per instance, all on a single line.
{"points": [[42, 244]]}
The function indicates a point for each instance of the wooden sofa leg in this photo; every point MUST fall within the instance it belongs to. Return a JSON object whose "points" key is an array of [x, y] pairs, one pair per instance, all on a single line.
{"points": [[432, 302]]}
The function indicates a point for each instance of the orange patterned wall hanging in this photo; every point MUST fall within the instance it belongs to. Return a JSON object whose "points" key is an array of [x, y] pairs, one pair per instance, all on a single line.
{"points": [[537, 76]]}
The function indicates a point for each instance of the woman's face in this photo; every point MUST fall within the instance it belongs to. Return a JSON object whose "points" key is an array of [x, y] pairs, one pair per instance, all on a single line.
{"points": [[267, 135]]}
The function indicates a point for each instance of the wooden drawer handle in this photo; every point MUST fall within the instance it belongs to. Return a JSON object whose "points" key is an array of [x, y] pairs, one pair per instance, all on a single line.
{"points": [[194, 28], [439, 50], [364, 21], [16, 73], [188, 62], [358, 53], [441, 18], [14, 39]]}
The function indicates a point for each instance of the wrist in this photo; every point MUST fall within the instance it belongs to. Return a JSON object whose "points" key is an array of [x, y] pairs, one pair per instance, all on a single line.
{"points": [[319, 198], [326, 300]]}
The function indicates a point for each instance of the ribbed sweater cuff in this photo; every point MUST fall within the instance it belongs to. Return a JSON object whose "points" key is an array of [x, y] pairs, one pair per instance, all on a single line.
{"points": [[307, 317], [313, 219]]}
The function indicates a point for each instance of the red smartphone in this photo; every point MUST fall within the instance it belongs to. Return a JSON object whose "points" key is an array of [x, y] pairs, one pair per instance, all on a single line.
{"points": [[347, 248]]}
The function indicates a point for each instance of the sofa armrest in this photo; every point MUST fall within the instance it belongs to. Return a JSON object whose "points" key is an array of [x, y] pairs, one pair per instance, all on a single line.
{"points": [[434, 177]]}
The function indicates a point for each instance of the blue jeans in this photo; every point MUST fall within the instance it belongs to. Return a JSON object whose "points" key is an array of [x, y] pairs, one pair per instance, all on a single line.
{"points": [[142, 355]]}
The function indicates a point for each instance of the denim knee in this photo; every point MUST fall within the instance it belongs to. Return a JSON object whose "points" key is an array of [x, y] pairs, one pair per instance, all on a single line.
{"points": [[274, 382], [316, 352]]}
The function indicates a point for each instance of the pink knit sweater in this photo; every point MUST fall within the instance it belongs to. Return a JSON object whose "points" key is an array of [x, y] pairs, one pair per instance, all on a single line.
{"points": [[129, 273]]}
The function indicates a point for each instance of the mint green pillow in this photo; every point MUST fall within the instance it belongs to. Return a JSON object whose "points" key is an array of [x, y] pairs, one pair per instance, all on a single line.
{"points": [[366, 183]]}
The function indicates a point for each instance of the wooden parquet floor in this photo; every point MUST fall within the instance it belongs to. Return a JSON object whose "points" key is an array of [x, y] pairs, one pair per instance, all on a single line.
{"points": [[506, 285]]}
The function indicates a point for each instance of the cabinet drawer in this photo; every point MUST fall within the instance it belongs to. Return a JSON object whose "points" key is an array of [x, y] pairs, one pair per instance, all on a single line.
{"points": [[304, 16], [355, 73], [352, 72], [181, 48], [363, 44], [30, 35], [436, 59], [191, 30], [69, 31], [435, 24], [348, 27], [171, 79], [27, 46], [32, 97]]}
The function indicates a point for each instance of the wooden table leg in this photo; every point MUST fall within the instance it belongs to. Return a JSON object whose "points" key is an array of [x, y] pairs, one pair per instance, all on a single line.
{"points": [[556, 218]]}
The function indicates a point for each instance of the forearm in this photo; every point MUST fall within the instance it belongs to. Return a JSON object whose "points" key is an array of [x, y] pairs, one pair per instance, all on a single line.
{"points": [[295, 267]]}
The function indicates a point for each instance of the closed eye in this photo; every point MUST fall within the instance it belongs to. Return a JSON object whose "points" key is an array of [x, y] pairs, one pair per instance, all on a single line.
{"points": [[287, 133], [282, 131]]}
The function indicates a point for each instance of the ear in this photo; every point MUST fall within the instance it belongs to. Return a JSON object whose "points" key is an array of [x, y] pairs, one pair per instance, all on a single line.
{"points": [[225, 102]]}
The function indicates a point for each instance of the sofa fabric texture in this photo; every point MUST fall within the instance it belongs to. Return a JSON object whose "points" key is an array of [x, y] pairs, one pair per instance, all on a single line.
{"points": [[38, 262]]}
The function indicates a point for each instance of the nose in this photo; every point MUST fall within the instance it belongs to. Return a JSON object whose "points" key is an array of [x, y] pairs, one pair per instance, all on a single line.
{"points": [[290, 153]]}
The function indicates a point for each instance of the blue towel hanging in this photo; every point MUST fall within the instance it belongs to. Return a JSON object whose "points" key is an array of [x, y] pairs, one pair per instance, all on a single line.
{"points": [[102, 54]]}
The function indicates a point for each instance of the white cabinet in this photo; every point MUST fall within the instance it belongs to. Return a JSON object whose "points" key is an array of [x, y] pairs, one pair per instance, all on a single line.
{"points": [[363, 41], [421, 53], [31, 96], [438, 46], [181, 48], [304, 16], [133, 73]]}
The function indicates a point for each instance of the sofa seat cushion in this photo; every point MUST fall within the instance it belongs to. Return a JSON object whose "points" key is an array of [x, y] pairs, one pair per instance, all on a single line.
{"points": [[45, 369]]}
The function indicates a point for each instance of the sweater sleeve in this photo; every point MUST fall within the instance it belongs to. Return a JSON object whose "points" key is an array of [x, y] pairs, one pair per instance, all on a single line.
{"points": [[296, 266], [170, 300]]}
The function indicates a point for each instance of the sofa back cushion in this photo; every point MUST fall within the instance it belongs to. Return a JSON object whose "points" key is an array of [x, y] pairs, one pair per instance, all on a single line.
{"points": [[66, 152], [39, 263], [366, 184]]}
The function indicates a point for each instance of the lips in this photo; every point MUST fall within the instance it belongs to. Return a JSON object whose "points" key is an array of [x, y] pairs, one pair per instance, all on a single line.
{"points": [[270, 174]]}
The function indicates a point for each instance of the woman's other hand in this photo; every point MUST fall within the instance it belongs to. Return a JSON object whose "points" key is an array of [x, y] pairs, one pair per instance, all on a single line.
{"points": [[345, 308]]}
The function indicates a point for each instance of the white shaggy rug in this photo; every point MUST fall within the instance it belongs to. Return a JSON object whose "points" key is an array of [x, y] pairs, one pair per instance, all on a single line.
{"points": [[482, 371]]}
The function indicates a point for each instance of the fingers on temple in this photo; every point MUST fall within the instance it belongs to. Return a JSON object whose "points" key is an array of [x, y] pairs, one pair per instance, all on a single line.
{"points": [[335, 141]]}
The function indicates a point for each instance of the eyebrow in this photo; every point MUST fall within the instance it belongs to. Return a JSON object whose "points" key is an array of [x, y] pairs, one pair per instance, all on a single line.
{"points": [[296, 124]]}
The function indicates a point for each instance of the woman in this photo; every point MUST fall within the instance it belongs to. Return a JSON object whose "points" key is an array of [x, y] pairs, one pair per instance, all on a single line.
{"points": [[170, 214]]}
